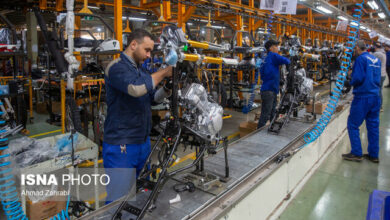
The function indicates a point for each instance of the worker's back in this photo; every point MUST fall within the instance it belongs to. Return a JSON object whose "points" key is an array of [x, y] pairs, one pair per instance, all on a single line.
{"points": [[366, 75]]}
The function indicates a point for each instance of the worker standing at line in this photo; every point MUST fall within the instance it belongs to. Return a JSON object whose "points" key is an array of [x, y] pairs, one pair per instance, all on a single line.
{"points": [[381, 55], [130, 92], [271, 79], [366, 79], [387, 49]]}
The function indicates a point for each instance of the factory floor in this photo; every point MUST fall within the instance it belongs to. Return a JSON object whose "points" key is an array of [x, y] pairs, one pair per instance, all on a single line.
{"points": [[340, 189], [337, 190]]}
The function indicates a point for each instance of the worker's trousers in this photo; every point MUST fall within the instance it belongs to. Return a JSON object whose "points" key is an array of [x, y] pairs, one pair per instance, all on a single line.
{"points": [[364, 108], [268, 106], [123, 165]]}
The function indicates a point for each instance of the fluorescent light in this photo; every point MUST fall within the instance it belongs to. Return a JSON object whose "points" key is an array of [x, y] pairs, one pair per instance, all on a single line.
{"points": [[368, 30], [389, 25], [354, 23], [93, 7], [134, 19], [325, 10], [189, 23], [362, 27], [342, 18], [217, 27], [373, 5], [381, 15]]}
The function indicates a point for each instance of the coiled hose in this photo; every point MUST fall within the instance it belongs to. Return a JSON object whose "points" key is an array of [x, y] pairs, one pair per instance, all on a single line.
{"points": [[8, 192], [337, 90]]}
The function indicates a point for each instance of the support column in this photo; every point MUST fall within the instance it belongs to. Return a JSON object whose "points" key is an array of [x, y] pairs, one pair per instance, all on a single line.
{"points": [[32, 38], [167, 10], [278, 30], [180, 14], [239, 40], [251, 25], [311, 20], [118, 23], [288, 26], [59, 5]]}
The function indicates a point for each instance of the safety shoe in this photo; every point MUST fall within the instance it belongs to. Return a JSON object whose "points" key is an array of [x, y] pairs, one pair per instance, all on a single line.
{"points": [[372, 159], [352, 157]]}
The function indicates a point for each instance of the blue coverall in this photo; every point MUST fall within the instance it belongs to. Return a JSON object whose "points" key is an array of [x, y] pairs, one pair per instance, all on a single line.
{"points": [[126, 143], [270, 88], [366, 80], [388, 65]]}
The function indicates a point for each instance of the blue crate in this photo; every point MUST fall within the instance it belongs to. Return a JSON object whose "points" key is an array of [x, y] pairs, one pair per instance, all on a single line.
{"points": [[379, 206]]}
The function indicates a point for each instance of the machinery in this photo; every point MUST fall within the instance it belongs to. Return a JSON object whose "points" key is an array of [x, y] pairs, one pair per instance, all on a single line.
{"points": [[198, 127], [296, 87]]}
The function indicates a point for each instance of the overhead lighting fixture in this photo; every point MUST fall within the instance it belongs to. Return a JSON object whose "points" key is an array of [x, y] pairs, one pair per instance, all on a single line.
{"points": [[354, 23], [373, 5], [362, 27], [389, 25], [99, 29], [342, 18], [217, 27], [93, 7], [368, 30], [381, 15], [325, 10], [133, 19]]}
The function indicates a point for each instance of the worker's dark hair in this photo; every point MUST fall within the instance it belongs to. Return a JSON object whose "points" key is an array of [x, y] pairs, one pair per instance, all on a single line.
{"points": [[138, 35], [361, 44]]}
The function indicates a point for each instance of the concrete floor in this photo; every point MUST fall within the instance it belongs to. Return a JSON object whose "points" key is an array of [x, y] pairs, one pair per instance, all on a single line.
{"points": [[340, 189]]}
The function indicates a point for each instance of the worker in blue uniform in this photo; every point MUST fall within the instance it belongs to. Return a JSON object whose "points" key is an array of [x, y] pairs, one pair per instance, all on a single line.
{"points": [[269, 73], [387, 49], [130, 92], [366, 104]]}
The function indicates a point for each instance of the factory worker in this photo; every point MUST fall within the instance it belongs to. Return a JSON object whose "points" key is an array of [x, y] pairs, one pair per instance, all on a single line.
{"points": [[130, 92], [366, 104], [269, 72], [380, 53]]}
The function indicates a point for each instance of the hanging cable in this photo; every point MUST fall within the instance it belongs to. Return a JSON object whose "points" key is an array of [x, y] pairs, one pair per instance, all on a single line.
{"points": [[353, 36]]}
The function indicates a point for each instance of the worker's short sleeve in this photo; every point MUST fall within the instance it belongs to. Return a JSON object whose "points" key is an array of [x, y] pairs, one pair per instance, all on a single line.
{"points": [[129, 82]]}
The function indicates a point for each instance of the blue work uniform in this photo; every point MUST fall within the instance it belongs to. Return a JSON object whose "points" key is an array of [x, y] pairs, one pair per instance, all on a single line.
{"points": [[126, 142], [366, 81], [270, 76], [388, 65]]}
